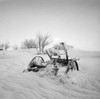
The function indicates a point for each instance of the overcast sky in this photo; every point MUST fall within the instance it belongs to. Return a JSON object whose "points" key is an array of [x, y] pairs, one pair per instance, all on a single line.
{"points": [[77, 22]]}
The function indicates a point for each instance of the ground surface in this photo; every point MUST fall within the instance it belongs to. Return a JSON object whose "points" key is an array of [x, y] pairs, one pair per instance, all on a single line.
{"points": [[14, 84]]}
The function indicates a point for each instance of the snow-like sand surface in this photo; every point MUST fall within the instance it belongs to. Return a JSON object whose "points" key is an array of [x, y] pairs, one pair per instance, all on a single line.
{"points": [[83, 84]]}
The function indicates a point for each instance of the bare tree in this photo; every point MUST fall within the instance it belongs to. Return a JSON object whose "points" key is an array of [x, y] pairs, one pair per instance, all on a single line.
{"points": [[33, 43], [6, 45], [46, 41], [29, 44], [39, 43], [42, 41], [25, 44], [1, 46]]}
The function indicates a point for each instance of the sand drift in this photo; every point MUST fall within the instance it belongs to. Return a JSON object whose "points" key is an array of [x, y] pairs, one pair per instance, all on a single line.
{"points": [[83, 84]]}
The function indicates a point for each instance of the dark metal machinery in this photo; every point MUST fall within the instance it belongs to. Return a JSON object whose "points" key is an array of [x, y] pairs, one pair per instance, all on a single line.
{"points": [[38, 63]]}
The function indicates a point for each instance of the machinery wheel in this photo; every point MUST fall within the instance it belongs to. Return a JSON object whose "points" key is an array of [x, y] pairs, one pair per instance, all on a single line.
{"points": [[76, 67], [72, 65], [37, 60]]}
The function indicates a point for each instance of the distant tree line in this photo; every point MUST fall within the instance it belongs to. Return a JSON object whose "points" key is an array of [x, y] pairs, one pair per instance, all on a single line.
{"points": [[39, 43], [4, 46]]}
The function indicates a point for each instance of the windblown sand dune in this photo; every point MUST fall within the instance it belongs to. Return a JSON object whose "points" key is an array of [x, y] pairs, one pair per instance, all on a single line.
{"points": [[83, 84]]}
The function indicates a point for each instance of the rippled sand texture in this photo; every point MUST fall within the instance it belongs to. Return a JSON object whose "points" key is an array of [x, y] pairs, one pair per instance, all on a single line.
{"points": [[83, 84]]}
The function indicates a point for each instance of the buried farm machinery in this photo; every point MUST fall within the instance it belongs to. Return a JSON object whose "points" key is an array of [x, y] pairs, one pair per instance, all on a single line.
{"points": [[38, 63]]}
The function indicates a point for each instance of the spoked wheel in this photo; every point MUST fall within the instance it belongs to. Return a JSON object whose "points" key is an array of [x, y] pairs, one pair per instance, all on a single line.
{"points": [[36, 64], [75, 65], [72, 65], [37, 60]]}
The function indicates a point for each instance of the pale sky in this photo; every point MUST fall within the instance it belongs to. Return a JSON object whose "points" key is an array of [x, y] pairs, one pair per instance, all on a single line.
{"points": [[77, 22]]}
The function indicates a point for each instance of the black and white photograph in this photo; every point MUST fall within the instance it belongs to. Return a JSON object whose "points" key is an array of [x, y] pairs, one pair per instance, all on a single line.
{"points": [[49, 49]]}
